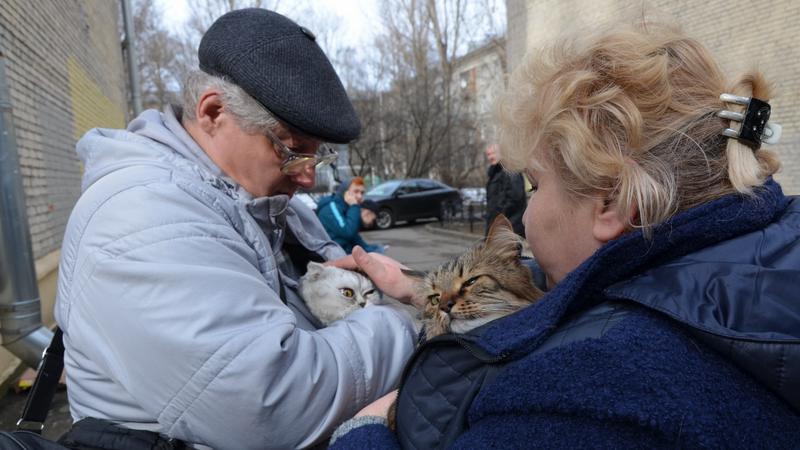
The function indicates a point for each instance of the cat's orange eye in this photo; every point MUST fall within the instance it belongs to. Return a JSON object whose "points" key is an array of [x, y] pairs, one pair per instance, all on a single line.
{"points": [[347, 292]]}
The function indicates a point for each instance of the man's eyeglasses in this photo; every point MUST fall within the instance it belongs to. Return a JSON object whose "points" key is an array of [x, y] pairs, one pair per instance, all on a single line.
{"points": [[296, 163]]}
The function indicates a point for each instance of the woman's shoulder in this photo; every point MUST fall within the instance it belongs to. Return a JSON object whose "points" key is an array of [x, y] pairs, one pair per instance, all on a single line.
{"points": [[621, 362]]}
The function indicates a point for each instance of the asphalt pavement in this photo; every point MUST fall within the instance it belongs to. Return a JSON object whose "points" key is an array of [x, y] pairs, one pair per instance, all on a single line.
{"points": [[422, 246]]}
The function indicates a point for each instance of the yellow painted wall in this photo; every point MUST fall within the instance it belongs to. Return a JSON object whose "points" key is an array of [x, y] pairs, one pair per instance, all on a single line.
{"points": [[66, 74], [90, 107]]}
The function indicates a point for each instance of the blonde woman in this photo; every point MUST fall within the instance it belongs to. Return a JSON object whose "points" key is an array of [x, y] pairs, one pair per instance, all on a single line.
{"points": [[671, 256]]}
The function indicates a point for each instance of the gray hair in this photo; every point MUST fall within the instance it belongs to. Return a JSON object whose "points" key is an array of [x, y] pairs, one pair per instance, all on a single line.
{"points": [[251, 115]]}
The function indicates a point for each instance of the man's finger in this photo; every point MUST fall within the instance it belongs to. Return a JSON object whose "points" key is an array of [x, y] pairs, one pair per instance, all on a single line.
{"points": [[345, 262], [367, 264]]}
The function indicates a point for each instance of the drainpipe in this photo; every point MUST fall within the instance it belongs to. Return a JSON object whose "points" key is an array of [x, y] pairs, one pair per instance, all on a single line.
{"points": [[129, 44], [20, 315]]}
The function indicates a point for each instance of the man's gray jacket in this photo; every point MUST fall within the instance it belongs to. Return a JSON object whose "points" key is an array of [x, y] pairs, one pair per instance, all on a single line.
{"points": [[168, 296]]}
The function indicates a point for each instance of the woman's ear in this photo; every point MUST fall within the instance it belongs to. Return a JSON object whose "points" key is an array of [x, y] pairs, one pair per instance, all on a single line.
{"points": [[208, 111], [608, 224]]}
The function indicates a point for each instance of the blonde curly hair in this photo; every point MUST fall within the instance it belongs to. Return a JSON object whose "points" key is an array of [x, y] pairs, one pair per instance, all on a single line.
{"points": [[630, 115]]}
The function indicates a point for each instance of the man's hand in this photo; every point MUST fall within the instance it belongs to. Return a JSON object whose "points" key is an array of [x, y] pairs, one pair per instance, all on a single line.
{"points": [[380, 407], [367, 217], [383, 271]]}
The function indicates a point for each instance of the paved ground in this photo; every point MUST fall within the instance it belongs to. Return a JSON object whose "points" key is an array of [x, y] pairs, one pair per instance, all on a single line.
{"points": [[422, 246]]}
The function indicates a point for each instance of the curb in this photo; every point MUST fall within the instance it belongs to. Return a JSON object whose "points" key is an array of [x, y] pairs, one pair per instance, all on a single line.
{"points": [[436, 229]]}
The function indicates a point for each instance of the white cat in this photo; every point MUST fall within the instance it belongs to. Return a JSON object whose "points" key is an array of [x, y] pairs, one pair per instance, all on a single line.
{"points": [[332, 293]]}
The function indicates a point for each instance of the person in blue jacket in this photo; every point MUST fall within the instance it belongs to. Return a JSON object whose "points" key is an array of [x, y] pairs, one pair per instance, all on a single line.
{"points": [[343, 213], [671, 257]]}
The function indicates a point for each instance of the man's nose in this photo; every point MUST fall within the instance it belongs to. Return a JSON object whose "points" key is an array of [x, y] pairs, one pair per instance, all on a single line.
{"points": [[305, 179]]}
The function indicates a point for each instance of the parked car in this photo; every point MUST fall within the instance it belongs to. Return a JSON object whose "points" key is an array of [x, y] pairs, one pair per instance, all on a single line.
{"points": [[409, 200]]}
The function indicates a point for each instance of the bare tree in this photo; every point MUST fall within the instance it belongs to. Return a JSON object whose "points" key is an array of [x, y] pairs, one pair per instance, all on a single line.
{"points": [[162, 59], [415, 120], [431, 129], [204, 12]]}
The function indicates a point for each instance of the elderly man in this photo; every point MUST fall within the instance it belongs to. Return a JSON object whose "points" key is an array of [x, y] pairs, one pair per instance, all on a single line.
{"points": [[178, 289]]}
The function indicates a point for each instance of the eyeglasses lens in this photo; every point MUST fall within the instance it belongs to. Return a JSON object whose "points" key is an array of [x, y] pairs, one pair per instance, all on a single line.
{"points": [[297, 165]]}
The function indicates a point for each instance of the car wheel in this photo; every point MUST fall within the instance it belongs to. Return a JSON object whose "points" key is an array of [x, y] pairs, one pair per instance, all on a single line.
{"points": [[385, 219]]}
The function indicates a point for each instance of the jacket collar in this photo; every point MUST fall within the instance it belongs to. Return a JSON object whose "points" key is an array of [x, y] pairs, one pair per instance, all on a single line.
{"points": [[629, 255]]}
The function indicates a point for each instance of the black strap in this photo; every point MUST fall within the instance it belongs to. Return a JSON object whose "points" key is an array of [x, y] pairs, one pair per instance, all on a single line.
{"points": [[44, 387], [99, 434]]}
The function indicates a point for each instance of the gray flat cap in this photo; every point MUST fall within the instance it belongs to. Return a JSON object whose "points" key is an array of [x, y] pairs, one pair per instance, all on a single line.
{"points": [[280, 64]]}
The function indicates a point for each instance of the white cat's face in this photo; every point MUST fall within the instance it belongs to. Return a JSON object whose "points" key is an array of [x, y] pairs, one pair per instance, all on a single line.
{"points": [[332, 293]]}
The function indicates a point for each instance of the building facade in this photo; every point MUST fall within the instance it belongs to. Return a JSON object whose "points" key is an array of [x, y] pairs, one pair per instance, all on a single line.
{"points": [[65, 72], [479, 78], [740, 34]]}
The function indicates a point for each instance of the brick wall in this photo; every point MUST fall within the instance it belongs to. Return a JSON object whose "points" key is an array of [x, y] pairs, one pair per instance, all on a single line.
{"points": [[65, 70], [740, 36]]}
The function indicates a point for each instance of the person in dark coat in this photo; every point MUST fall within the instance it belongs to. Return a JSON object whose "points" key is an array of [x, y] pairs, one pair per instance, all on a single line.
{"points": [[505, 193], [342, 215], [670, 255]]}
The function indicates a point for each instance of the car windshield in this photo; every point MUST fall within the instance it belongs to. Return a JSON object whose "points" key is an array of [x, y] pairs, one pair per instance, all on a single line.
{"points": [[384, 188]]}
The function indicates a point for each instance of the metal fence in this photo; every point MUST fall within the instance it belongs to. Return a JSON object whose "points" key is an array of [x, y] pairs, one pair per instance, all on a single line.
{"points": [[470, 216]]}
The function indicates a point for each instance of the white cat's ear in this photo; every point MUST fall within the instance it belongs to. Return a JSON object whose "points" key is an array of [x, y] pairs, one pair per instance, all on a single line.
{"points": [[314, 268]]}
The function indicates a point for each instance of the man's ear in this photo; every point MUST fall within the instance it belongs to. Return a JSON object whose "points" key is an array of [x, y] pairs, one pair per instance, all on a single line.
{"points": [[608, 224], [209, 109]]}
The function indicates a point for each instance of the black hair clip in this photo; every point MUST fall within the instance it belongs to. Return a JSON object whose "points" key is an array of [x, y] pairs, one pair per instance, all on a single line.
{"points": [[755, 127]]}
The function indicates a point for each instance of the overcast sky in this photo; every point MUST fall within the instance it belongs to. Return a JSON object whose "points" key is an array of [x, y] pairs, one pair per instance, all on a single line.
{"points": [[359, 18]]}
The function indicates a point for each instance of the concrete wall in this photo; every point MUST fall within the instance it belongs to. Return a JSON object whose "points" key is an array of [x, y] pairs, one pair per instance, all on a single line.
{"points": [[740, 36], [66, 74]]}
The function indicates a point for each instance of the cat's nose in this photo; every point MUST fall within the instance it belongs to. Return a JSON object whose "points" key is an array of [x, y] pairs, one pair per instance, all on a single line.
{"points": [[447, 305]]}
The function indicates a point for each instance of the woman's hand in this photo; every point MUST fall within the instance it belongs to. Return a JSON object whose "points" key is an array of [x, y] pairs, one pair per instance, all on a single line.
{"points": [[350, 198], [380, 407], [383, 271]]}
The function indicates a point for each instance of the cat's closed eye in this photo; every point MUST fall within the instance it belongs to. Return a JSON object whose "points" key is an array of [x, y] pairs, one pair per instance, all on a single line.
{"points": [[471, 281]]}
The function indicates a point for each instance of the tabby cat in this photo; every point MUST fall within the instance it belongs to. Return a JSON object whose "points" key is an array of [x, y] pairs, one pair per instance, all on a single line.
{"points": [[483, 284], [332, 293]]}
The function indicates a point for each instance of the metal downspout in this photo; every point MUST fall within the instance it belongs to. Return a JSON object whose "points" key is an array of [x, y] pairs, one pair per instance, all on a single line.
{"points": [[129, 44], [20, 315]]}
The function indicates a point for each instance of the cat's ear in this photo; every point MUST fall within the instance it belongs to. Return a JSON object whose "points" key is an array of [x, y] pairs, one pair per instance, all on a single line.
{"points": [[314, 269], [501, 236]]}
